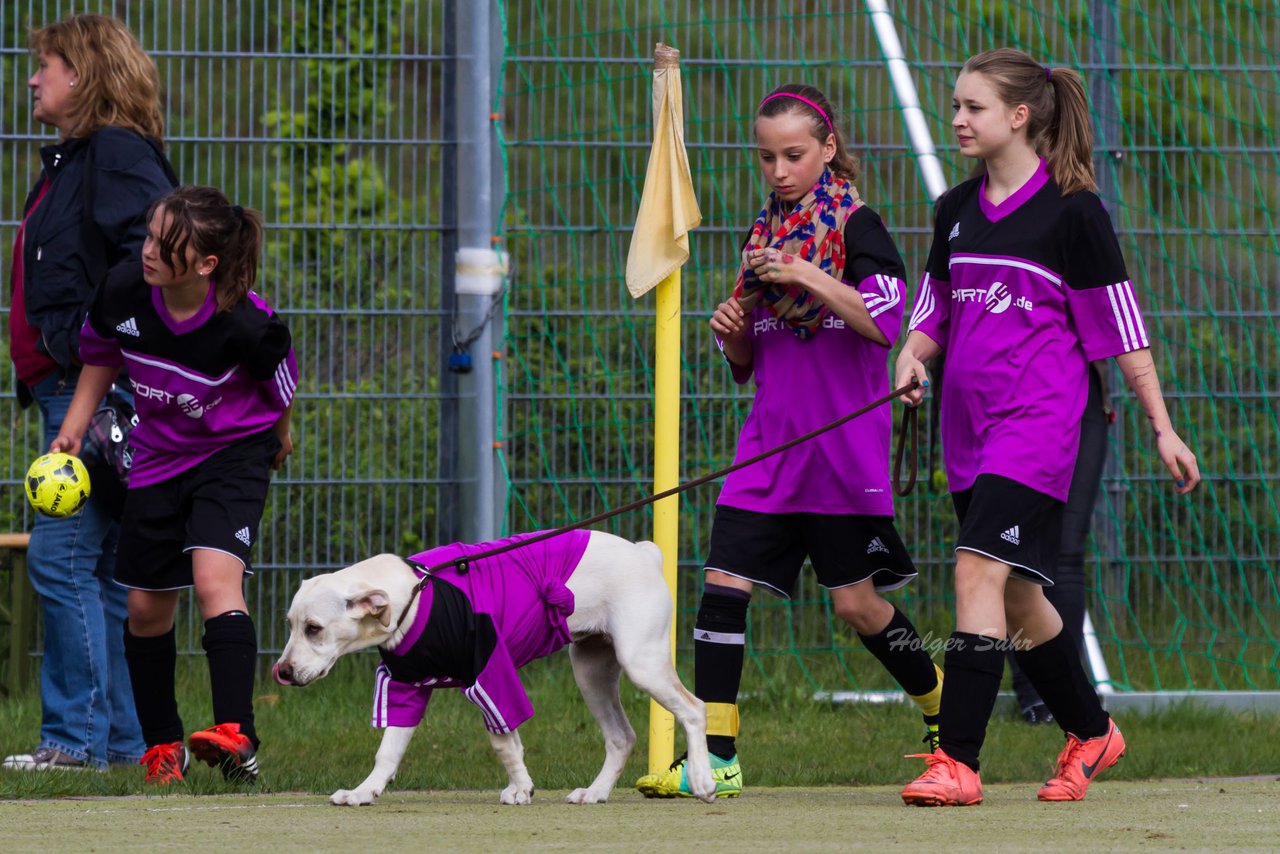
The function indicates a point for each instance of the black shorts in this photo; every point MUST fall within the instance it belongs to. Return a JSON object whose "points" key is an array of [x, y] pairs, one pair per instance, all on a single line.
{"points": [[215, 505], [769, 549], [1012, 523]]}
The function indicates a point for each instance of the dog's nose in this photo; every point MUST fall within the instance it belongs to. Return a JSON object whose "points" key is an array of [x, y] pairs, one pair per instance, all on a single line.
{"points": [[283, 673]]}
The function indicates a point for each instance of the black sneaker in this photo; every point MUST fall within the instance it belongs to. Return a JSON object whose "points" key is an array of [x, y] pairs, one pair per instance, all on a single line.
{"points": [[1037, 714]]}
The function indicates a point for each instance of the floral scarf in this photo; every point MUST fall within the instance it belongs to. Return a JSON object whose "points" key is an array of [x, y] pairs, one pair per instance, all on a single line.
{"points": [[813, 230]]}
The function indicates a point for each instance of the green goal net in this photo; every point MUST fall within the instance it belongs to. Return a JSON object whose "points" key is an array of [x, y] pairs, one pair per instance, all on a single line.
{"points": [[1182, 592]]}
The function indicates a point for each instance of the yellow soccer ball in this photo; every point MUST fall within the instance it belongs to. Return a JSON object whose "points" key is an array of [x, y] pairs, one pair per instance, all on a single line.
{"points": [[57, 485]]}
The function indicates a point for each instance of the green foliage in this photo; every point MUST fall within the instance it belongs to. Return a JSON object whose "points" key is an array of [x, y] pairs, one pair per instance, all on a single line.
{"points": [[348, 221], [322, 178]]}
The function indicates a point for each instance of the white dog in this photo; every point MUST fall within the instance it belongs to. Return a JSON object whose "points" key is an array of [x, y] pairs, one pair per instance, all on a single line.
{"points": [[618, 619]]}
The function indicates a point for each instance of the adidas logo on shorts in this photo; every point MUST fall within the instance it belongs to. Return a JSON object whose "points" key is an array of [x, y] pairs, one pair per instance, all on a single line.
{"points": [[243, 536], [877, 546], [1011, 536], [130, 327]]}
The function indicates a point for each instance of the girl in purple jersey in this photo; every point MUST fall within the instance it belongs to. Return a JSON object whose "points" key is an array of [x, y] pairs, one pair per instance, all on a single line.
{"points": [[818, 304], [213, 374], [1025, 286]]}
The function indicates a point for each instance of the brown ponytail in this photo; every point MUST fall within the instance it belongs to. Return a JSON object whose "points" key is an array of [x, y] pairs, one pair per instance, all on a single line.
{"points": [[823, 121], [204, 219], [1059, 126]]}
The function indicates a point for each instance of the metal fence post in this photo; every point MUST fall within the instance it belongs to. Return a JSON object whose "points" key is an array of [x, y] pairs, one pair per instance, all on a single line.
{"points": [[478, 323], [1108, 532]]}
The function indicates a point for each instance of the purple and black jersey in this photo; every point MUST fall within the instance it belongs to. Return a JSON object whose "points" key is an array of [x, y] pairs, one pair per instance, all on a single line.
{"points": [[802, 384], [1021, 296], [476, 626], [200, 384]]}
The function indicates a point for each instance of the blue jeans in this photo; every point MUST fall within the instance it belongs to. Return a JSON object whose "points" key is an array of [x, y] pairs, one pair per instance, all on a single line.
{"points": [[86, 698]]}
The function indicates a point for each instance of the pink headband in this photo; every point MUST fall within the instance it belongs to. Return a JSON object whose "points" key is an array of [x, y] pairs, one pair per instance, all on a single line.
{"points": [[803, 100]]}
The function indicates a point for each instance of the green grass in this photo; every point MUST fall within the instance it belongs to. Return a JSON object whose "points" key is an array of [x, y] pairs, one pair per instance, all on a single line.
{"points": [[318, 739]]}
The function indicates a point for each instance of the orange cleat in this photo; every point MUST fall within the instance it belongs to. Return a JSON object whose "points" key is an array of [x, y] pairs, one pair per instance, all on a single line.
{"points": [[226, 747], [1080, 761], [166, 763], [945, 783]]}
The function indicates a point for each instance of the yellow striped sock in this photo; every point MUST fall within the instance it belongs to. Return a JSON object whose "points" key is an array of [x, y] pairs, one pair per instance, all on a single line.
{"points": [[722, 719], [929, 703]]}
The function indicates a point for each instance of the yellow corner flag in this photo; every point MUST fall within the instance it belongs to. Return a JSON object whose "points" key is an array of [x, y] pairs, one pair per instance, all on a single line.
{"points": [[659, 248], [668, 206]]}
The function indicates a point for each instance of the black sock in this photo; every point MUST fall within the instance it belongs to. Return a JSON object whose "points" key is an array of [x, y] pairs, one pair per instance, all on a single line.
{"points": [[231, 646], [1023, 690], [1067, 596], [152, 664], [719, 640], [974, 665], [1055, 669], [899, 648]]}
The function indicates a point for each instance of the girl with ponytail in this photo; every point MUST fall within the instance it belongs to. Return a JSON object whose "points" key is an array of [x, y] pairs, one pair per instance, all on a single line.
{"points": [[214, 374], [1025, 286]]}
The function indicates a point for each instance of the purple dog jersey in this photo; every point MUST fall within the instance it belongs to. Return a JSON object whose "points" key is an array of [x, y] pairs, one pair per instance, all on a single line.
{"points": [[476, 627]]}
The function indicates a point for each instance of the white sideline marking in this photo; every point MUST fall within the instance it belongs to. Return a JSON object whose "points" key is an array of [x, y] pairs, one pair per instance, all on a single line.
{"points": [[211, 808]]}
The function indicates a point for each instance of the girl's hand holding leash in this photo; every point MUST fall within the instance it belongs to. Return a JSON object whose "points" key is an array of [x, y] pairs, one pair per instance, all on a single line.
{"points": [[907, 369], [910, 366]]}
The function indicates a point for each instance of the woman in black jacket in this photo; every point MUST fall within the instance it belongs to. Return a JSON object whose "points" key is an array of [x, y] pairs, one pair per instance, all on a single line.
{"points": [[97, 87]]}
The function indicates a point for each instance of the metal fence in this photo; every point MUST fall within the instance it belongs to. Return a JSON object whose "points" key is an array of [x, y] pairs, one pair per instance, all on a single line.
{"points": [[339, 120], [1185, 97]]}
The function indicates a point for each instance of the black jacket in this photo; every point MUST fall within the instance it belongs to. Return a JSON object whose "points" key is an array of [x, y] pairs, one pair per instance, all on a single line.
{"points": [[59, 270]]}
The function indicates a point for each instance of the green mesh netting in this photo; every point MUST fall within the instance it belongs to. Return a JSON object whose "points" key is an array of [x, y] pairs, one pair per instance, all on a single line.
{"points": [[1182, 591]]}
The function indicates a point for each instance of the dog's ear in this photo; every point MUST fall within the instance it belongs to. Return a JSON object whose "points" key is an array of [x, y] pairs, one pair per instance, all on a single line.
{"points": [[374, 603]]}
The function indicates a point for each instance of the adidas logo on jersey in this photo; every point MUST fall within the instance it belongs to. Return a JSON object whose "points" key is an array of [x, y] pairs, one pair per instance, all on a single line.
{"points": [[243, 536], [955, 232], [877, 546], [130, 327], [1011, 536]]}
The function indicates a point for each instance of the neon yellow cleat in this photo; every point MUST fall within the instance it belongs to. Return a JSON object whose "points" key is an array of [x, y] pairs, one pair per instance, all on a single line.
{"points": [[673, 784]]}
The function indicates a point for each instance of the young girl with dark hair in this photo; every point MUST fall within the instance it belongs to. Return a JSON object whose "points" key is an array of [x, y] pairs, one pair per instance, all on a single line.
{"points": [[817, 305], [1025, 286], [214, 374]]}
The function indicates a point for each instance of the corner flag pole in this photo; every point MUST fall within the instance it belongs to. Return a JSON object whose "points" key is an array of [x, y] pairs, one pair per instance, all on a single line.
{"points": [[659, 248]]}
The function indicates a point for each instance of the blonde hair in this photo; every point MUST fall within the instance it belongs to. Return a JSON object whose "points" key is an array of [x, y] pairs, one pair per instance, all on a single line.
{"points": [[808, 101], [1059, 126], [117, 85]]}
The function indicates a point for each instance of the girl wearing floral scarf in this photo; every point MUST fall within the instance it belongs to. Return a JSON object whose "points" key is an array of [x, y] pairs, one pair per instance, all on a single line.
{"points": [[816, 307]]}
